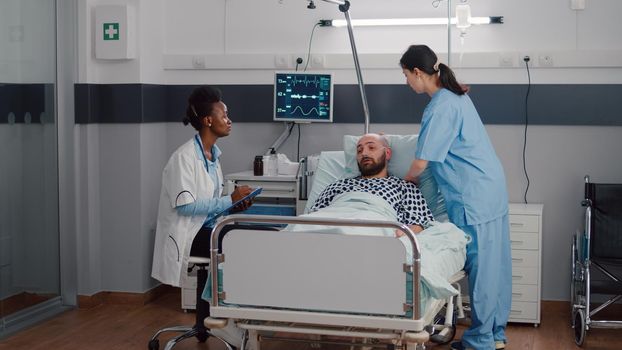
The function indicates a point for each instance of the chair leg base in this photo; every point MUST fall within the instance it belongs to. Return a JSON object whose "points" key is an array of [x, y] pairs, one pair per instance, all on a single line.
{"points": [[187, 332]]}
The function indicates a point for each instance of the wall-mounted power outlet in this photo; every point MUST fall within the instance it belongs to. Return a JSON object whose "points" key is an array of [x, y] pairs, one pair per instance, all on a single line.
{"points": [[577, 5], [282, 61], [198, 62], [317, 61], [545, 60], [506, 60], [527, 58]]}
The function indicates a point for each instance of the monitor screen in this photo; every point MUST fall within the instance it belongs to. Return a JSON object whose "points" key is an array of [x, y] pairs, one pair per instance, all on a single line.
{"points": [[303, 97]]}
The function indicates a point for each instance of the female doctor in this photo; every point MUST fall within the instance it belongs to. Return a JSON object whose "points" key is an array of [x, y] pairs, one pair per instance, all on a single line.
{"points": [[192, 185], [454, 144]]}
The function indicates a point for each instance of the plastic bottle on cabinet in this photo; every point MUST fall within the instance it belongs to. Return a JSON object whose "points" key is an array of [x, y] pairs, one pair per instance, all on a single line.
{"points": [[271, 163]]}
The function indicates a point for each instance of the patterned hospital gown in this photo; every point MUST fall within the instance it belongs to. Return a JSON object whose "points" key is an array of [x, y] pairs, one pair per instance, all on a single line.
{"points": [[403, 196]]}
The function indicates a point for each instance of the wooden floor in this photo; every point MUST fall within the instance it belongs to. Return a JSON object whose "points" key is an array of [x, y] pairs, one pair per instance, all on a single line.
{"points": [[117, 327]]}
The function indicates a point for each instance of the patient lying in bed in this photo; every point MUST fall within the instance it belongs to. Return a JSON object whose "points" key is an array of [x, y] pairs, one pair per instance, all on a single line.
{"points": [[375, 195], [373, 154]]}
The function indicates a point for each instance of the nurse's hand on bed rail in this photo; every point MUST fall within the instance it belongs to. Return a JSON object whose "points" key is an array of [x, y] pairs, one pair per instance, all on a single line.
{"points": [[416, 168], [413, 179], [413, 228]]}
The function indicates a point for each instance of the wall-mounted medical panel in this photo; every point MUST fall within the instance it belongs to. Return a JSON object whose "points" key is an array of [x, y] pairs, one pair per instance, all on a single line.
{"points": [[115, 32], [507, 59]]}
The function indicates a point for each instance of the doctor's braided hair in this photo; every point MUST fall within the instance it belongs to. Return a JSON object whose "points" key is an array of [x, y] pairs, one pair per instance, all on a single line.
{"points": [[424, 59], [201, 104]]}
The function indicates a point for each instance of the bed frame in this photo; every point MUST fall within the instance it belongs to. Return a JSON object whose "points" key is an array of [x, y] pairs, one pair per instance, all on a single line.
{"points": [[308, 283]]}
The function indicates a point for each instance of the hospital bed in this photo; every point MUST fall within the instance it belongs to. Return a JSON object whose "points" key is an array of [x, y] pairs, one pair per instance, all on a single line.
{"points": [[356, 289]]}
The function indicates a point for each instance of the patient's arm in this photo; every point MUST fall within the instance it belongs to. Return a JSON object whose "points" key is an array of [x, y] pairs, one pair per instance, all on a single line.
{"points": [[413, 228]]}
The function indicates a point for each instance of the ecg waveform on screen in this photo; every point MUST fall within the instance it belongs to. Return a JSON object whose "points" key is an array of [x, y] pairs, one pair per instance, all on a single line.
{"points": [[304, 96], [306, 113], [315, 81]]}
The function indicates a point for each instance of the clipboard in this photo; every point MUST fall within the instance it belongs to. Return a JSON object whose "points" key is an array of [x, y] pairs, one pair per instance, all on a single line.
{"points": [[247, 197]]}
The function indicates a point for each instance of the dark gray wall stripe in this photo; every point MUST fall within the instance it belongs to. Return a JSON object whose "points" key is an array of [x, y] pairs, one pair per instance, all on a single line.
{"points": [[20, 99], [549, 104]]}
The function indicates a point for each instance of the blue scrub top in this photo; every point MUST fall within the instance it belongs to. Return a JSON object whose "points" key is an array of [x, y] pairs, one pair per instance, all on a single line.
{"points": [[462, 159]]}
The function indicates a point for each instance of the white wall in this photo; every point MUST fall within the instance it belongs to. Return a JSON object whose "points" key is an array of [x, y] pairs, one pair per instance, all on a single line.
{"points": [[120, 165]]}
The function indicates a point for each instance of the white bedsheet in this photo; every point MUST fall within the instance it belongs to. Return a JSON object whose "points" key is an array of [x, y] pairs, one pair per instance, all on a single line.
{"points": [[443, 245]]}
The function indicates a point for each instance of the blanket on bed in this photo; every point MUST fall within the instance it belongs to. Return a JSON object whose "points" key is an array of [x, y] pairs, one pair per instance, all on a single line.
{"points": [[443, 245]]}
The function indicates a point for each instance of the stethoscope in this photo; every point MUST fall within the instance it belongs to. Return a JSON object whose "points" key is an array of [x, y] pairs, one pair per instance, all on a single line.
{"points": [[196, 138], [198, 141]]}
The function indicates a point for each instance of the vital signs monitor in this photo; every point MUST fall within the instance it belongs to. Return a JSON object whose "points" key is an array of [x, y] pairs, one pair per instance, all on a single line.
{"points": [[303, 97]]}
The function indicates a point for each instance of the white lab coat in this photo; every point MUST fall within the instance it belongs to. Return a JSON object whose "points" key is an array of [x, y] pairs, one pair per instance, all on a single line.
{"points": [[184, 180]]}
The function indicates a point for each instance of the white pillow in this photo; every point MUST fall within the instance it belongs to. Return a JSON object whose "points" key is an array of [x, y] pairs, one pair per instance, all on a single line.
{"points": [[403, 153], [403, 147], [330, 168]]}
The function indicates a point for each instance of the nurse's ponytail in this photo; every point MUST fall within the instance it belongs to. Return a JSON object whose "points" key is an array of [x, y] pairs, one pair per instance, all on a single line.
{"points": [[448, 80], [201, 104], [424, 59]]}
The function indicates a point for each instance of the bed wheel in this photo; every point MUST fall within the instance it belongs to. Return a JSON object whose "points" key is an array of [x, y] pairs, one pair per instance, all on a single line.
{"points": [[445, 336]]}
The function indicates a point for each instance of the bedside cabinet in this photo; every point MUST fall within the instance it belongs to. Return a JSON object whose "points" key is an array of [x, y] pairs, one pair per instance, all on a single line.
{"points": [[526, 241]]}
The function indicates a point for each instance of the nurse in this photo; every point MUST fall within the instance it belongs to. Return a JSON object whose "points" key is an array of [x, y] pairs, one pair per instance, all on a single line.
{"points": [[192, 186], [454, 144]]}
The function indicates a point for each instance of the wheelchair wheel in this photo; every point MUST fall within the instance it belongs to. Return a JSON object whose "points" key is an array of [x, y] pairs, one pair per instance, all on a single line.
{"points": [[154, 344], [579, 327], [573, 279]]}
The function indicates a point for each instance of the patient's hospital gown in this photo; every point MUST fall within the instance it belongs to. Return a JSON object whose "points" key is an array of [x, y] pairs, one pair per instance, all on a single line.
{"points": [[403, 196]]}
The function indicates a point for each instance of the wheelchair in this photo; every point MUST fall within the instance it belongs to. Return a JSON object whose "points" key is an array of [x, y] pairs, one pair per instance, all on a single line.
{"points": [[597, 249]]}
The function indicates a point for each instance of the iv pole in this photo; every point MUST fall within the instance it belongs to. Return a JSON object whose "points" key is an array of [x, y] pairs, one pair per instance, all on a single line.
{"points": [[344, 6]]}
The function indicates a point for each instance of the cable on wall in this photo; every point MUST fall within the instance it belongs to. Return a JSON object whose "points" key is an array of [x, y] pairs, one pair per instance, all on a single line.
{"points": [[309, 50], [526, 59], [298, 149]]}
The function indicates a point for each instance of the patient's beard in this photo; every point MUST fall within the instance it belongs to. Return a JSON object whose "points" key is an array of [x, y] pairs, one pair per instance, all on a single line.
{"points": [[373, 169]]}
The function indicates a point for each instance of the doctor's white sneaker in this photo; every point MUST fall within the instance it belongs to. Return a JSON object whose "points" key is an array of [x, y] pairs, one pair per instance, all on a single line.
{"points": [[499, 345]]}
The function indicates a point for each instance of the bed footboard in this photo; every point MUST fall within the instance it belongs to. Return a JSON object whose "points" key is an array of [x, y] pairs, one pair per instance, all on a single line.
{"points": [[316, 283]]}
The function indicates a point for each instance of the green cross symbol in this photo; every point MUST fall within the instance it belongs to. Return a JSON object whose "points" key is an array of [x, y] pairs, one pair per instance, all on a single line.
{"points": [[111, 31]]}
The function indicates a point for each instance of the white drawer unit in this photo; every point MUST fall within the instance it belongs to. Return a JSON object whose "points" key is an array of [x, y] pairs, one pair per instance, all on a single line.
{"points": [[526, 242], [280, 189]]}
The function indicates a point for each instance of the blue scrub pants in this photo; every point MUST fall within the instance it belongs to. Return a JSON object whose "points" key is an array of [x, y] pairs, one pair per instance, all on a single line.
{"points": [[489, 269]]}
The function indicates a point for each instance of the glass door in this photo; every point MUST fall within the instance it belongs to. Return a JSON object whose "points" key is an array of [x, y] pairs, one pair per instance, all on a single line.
{"points": [[29, 234]]}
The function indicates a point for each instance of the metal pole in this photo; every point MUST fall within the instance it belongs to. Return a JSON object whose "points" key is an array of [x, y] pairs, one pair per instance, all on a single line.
{"points": [[344, 8], [449, 33]]}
